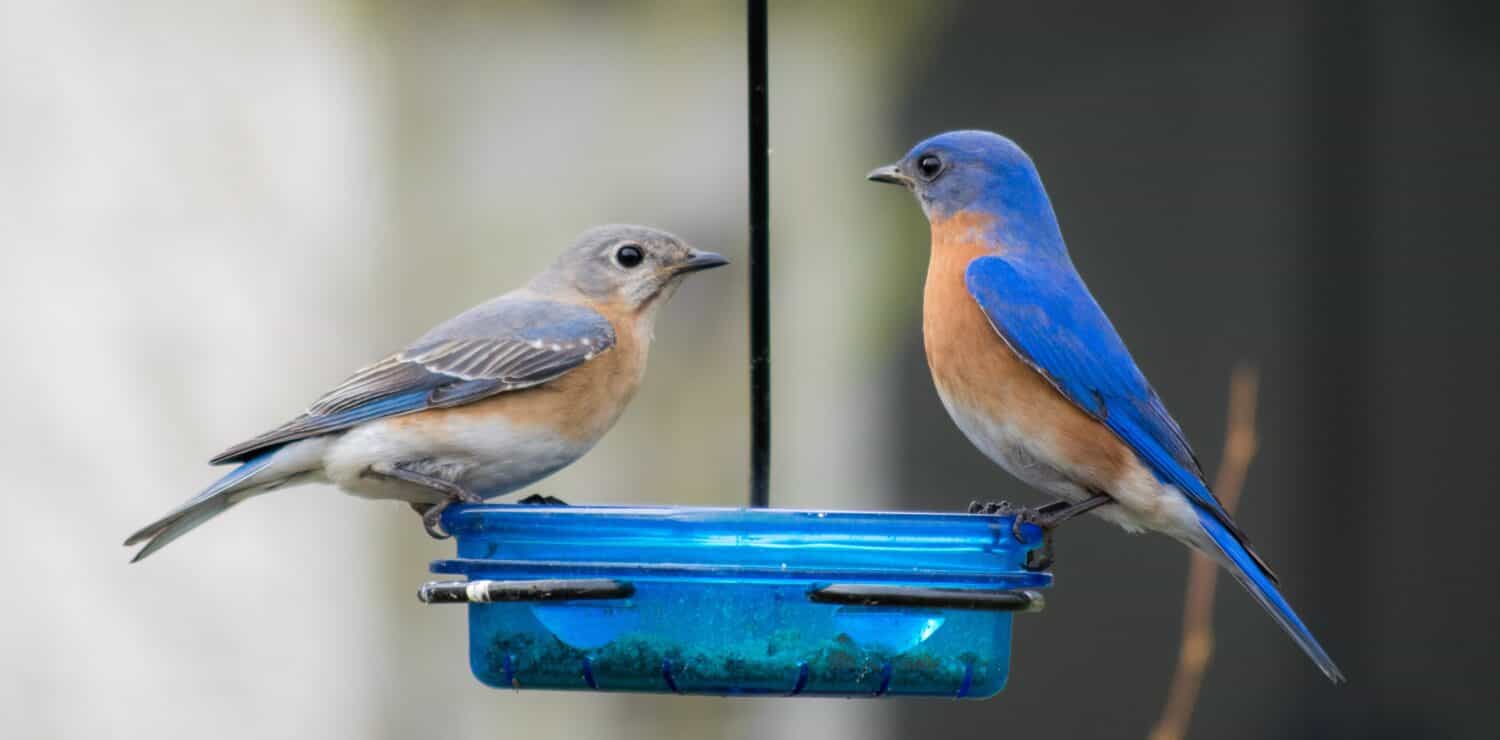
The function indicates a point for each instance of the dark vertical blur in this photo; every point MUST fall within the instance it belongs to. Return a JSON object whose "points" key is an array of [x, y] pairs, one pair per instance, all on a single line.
{"points": [[1312, 187]]}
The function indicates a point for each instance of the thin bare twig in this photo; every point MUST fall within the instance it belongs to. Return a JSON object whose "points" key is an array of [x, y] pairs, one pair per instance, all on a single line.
{"points": [[1198, 609]]}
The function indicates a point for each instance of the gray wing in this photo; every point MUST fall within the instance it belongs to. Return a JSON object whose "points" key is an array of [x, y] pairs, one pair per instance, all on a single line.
{"points": [[504, 345]]}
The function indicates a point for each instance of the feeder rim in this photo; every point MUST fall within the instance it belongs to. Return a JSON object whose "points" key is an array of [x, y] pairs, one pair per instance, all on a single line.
{"points": [[670, 509]]}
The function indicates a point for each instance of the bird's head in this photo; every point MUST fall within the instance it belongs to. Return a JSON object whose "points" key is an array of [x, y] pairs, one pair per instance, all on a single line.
{"points": [[635, 267], [972, 171]]}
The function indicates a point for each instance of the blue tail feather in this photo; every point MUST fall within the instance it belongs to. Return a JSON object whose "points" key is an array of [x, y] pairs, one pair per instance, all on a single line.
{"points": [[1247, 569], [211, 502]]}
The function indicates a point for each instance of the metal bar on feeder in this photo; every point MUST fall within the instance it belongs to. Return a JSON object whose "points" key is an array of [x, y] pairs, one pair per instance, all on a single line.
{"points": [[760, 223]]}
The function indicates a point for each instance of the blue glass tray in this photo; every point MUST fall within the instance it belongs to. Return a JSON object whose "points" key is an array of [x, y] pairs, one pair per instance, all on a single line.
{"points": [[738, 601]]}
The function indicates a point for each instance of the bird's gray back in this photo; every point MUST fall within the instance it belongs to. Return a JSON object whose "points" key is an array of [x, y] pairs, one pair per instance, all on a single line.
{"points": [[521, 316]]}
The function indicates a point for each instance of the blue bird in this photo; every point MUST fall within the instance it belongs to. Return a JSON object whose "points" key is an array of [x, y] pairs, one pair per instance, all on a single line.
{"points": [[1033, 373], [486, 403]]}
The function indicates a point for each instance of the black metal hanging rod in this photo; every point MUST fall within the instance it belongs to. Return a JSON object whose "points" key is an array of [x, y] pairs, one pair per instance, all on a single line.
{"points": [[760, 276]]}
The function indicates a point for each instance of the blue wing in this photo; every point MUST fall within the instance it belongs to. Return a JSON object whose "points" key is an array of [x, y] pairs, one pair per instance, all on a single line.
{"points": [[1047, 316], [504, 345]]}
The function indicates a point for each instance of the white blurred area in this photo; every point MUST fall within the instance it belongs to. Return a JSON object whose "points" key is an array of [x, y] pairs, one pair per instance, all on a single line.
{"points": [[212, 212]]}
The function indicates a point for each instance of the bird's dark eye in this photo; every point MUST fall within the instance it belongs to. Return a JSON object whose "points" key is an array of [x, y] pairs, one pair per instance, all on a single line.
{"points": [[629, 255], [929, 166]]}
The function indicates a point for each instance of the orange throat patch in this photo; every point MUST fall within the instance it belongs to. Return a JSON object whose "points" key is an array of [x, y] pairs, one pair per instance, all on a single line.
{"points": [[955, 332]]}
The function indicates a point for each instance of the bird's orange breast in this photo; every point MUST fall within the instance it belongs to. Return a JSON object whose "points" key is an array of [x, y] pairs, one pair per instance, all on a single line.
{"points": [[976, 371], [970, 363]]}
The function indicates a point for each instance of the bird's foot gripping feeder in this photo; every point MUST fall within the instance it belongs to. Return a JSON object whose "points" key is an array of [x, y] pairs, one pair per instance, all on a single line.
{"points": [[738, 601]]}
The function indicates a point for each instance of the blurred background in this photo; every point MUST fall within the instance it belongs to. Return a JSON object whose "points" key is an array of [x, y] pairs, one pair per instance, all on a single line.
{"points": [[211, 212]]}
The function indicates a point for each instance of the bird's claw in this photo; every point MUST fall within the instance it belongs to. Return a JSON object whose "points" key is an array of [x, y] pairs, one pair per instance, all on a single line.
{"points": [[991, 507], [537, 499], [1019, 515], [1038, 559], [1046, 517], [1023, 515], [1041, 558], [432, 521], [432, 514]]}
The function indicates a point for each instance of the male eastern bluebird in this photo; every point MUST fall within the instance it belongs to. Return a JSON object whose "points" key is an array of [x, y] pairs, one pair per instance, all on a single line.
{"points": [[484, 404], [1034, 374]]}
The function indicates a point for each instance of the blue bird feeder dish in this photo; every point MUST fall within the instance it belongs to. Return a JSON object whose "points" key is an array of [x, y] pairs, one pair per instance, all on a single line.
{"points": [[738, 601]]}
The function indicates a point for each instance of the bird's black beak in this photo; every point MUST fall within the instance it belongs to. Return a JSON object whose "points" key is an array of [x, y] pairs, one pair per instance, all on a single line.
{"points": [[891, 174], [701, 261]]}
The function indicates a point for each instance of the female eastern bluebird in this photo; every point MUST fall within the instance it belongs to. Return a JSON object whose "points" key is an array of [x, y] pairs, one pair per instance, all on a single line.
{"points": [[486, 403], [1034, 374]]}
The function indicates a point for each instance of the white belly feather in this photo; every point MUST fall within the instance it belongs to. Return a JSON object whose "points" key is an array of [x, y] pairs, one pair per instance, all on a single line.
{"points": [[1143, 501], [1019, 454], [491, 457]]}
